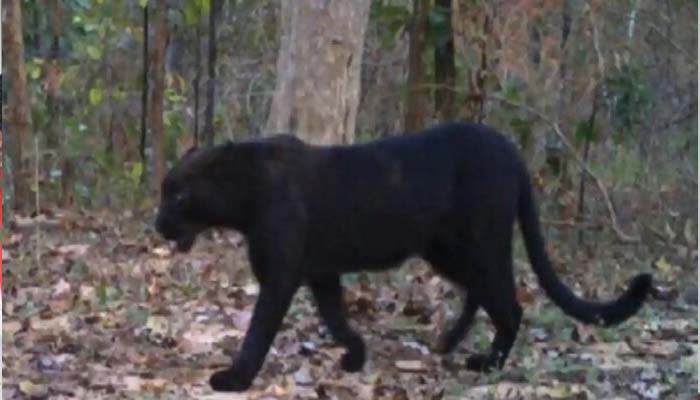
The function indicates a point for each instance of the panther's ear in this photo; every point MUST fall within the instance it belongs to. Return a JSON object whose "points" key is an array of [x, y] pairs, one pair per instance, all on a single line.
{"points": [[190, 151]]}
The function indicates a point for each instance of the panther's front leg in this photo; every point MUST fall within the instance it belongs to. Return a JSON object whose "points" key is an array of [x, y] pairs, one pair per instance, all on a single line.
{"points": [[275, 253], [270, 308]]}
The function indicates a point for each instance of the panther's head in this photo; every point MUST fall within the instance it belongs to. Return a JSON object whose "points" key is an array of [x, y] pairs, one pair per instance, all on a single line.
{"points": [[193, 196], [177, 217], [219, 186]]}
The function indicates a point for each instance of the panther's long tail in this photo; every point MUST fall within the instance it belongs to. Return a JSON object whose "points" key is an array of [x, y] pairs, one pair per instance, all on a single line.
{"points": [[608, 313]]}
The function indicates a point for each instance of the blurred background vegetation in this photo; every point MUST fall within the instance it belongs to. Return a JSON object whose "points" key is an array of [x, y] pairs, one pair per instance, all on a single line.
{"points": [[610, 83]]}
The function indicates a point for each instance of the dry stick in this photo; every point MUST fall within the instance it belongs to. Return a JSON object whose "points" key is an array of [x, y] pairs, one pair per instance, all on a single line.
{"points": [[571, 224], [623, 237]]}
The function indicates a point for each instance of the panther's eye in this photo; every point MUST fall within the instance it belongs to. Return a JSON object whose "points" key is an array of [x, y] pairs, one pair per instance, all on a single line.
{"points": [[180, 198]]}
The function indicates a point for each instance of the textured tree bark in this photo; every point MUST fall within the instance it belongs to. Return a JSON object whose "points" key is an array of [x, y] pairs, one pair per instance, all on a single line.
{"points": [[55, 137], [144, 88], [160, 43], [19, 117], [208, 131], [195, 84], [417, 101], [53, 76], [445, 70], [318, 69]]}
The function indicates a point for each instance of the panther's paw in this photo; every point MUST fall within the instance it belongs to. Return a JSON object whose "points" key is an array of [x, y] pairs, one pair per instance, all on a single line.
{"points": [[479, 363], [352, 361], [446, 343], [227, 380]]}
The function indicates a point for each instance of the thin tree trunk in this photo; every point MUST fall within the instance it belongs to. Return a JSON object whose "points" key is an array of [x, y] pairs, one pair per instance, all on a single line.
{"points": [[416, 103], [535, 41], [556, 158], [53, 77], [144, 93], [55, 137], [318, 100], [157, 95], [563, 64], [586, 152], [195, 84], [445, 70], [211, 72], [2, 196], [19, 117]]}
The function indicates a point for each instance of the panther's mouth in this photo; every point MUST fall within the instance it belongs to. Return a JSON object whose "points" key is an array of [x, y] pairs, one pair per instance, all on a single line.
{"points": [[185, 242]]}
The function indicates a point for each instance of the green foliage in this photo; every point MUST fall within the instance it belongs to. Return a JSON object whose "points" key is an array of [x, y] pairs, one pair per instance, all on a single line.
{"points": [[438, 27], [95, 96], [522, 129], [195, 10], [392, 20], [585, 131], [511, 90], [625, 166], [630, 99]]}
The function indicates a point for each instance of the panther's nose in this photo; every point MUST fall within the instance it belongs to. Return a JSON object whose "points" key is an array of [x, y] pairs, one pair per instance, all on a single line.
{"points": [[159, 223]]}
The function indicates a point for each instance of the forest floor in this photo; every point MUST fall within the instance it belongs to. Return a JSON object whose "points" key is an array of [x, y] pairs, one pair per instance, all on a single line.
{"points": [[97, 306]]}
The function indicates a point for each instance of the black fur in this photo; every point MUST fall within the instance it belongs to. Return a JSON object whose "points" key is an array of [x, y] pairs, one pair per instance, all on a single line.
{"points": [[449, 195]]}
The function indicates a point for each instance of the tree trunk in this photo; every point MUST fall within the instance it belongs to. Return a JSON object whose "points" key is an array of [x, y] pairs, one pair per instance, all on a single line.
{"points": [[208, 132], [53, 76], [556, 158], [318, 69], [144, 88], [445, 70], [160, 42], [55, 139], [195, 84], [19, 117], [4, 186], [414, 118]]}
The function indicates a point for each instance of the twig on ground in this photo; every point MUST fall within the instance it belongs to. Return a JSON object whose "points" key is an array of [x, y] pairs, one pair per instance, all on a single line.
{"points": [[572, 224]]}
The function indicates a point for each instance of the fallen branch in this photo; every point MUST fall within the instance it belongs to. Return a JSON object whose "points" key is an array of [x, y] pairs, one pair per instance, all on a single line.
{"points": [[623, 237], [571, 224]]}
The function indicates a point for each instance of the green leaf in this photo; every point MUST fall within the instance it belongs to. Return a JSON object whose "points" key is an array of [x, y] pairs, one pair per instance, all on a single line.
{"points": [[34, 71], [522, 128], [94, 52], [585, 132], [204, 6], [192, 12], [136, 172], [102, 294], [392, 18], [95, 96], [510, 90], [143, 3]]}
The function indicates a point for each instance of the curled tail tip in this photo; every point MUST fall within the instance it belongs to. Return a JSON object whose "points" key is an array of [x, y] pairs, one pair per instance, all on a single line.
{"points": [[630, 302]]}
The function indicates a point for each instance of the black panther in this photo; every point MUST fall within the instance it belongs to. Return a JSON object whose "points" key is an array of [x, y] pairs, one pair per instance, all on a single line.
{"points": [[449, 194]]}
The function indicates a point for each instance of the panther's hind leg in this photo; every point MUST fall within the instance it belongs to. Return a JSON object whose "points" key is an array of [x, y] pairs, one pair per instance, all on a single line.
{"points": [[452, 262], [497, 297], [328, 294], [453, 336]]}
